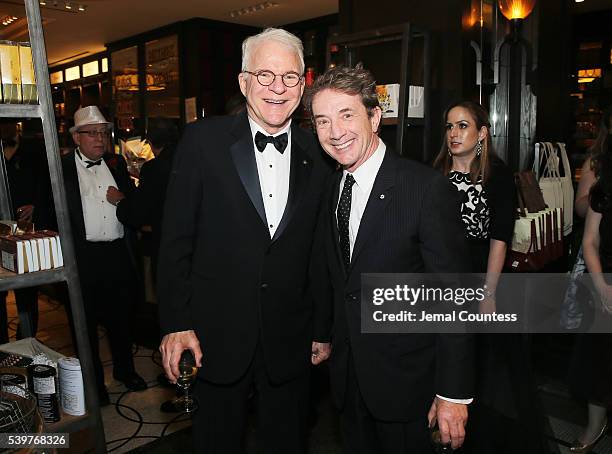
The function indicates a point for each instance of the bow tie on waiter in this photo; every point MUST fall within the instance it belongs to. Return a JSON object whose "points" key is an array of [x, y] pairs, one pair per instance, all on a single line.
{"points": [[88, 162], [93, 163]]}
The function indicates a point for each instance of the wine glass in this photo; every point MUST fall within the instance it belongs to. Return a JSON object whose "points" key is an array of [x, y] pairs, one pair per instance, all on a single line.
{"points": [[187, 374], [436, 440]]}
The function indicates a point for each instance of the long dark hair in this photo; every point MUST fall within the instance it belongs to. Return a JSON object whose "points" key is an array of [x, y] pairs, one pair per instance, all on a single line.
{"points": [[481, 165], [601, 163]]}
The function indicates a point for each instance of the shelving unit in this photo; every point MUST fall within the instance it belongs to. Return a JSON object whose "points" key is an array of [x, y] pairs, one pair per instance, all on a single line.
{"points": [[348, 50], [68, 273]]}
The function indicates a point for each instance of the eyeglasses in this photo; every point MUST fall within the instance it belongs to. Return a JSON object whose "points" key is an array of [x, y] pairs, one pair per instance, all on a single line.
{"points": [[95, 134], [266, 78]]}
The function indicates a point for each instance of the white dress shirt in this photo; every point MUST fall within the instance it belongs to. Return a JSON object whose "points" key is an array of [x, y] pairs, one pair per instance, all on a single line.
{"points": [[365, 175], [364, 181], [273, 168], [100, 216]]}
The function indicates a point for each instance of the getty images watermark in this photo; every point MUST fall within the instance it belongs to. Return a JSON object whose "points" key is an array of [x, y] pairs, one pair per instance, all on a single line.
{"points": [[462, 303]]}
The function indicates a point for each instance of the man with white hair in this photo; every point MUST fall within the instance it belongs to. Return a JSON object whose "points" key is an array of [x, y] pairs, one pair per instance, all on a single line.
{"points": [[105, 262], [237, 240]]}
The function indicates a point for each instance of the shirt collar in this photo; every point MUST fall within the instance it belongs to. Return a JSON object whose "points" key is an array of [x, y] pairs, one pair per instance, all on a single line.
{"points": [[255, 128], [83, 159], [366, 172]]}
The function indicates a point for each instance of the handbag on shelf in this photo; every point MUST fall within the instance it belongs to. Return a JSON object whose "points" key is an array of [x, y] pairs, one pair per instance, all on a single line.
{"points": [[529, 191], [537, 238]]}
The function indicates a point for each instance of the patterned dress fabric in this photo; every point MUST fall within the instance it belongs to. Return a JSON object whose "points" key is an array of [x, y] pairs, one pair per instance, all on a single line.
{"points": [[474, 208]]}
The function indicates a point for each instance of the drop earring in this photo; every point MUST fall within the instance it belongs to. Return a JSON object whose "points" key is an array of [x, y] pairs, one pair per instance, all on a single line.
{"points": [[479, 148]]}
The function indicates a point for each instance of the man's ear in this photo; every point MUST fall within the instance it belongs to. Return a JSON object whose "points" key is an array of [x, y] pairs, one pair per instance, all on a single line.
{"points": [[375, 116], [242, 83], [76, 138]]}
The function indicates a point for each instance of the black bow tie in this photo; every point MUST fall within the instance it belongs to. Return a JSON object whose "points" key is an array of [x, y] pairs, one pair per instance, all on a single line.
{"points": [[93, 163], [279, 142]]}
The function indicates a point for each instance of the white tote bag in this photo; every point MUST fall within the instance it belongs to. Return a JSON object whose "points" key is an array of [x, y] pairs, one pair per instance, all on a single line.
{"points": [[546, 169], [567, 188], [558, 190]]}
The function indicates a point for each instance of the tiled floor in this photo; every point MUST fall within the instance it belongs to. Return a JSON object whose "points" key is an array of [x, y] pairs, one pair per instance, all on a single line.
{"points": [[134, 420]]}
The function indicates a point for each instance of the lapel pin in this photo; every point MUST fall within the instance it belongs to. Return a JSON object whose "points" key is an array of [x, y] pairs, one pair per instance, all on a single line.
{"points": [[305, 162], [381, 197]]}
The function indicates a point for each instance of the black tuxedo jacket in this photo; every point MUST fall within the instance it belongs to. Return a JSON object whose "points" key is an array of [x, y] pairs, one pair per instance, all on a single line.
{"points": [[94, 261], [220, 273], [414, 228]]}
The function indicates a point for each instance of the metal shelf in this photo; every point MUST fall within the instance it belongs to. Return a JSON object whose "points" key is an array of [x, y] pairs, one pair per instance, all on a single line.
{"points": [[19, 111], [12, 281], [69, 273]]}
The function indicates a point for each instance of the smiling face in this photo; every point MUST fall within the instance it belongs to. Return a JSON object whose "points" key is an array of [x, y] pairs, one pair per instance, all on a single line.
{"points": [[92, 147], [271, 107], [462, 133], [344, 129]]}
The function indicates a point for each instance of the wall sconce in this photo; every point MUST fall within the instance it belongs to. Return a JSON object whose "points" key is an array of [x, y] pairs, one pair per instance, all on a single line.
{"points": [[519, 62], [516, 9]]}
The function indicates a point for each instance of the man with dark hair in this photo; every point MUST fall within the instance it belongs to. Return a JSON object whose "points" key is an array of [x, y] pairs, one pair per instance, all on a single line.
{"points": [[389, 215], [145, 205], [29, 190], [238, 236]]}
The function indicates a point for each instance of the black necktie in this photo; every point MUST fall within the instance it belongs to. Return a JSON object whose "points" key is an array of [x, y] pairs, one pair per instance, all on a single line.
{"points": [[93, 163], [344, 214], [279, 142]]}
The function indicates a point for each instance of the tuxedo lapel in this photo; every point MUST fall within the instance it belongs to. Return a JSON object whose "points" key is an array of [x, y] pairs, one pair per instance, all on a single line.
{"points": [[379, 198], [121, 178], [244, 159], [301, 167], [73, 193]]}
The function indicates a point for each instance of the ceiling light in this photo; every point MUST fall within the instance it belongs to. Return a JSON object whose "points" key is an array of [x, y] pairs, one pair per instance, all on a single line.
{"points": [[63, 5], [252, 9], [8, 20]]}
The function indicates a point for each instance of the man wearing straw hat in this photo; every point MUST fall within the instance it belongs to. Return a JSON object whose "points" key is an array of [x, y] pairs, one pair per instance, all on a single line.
{"points": [[105, 263]]}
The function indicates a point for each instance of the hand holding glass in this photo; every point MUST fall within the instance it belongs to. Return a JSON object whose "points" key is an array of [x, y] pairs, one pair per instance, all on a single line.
{"points": [[187, 374]]}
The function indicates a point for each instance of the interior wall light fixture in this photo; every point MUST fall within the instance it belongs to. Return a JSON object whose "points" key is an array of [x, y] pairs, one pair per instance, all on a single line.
{"points": [[516, 9], [519, 61]]}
